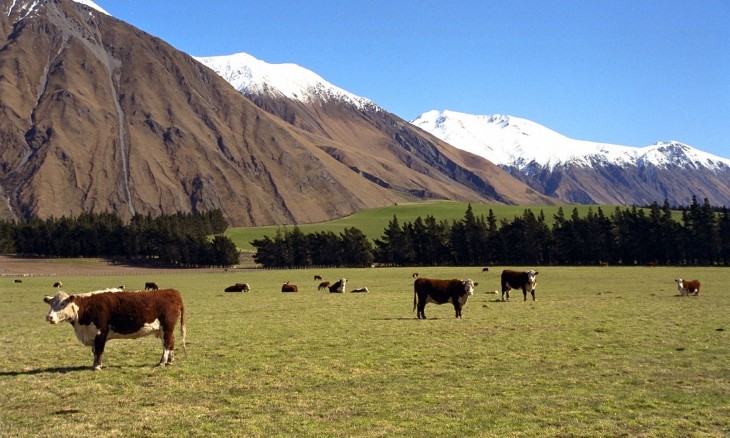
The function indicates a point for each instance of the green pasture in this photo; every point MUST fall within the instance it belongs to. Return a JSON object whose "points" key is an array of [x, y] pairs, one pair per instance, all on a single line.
{"points": [[372, 222], [610, 351]]}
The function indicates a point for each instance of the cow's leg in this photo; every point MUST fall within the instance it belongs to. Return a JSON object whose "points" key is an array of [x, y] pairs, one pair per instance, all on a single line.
{"points": [[98, 349], [457, 309], [533, 294], [421, 309], [168, 346], [524, 292]]}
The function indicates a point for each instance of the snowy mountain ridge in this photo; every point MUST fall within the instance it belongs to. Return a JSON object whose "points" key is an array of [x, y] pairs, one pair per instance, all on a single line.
{"points": [[515, 142], [250, 75], [24, 8]]}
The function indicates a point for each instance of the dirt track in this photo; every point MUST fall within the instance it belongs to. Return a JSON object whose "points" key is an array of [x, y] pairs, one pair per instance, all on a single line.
{"points": [[24, 267]]}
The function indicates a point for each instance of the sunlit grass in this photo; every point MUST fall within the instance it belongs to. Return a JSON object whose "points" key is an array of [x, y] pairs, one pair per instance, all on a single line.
{"points": [[602, 352]]}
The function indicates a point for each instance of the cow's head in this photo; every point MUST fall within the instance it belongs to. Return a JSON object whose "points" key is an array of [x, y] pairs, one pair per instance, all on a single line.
{"points": [[531, 278], [62, 308], [680, 286], [341, 285], [468, 286]]}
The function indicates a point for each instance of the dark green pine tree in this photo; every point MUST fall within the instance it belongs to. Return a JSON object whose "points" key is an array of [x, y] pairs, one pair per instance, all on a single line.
{"points": [[356, 248]]}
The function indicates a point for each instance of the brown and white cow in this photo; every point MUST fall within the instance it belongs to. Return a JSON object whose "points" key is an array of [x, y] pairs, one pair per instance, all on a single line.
{"points": [[112, 314], [688, 287], [360, 290], [286, 287], [150, 286], [339, 286], [238, 287], [428, 290], [519, 280]]}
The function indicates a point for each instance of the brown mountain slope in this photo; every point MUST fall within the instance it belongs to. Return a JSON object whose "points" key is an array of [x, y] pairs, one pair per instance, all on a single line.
{"points": [[399, 155], [96, 115]]}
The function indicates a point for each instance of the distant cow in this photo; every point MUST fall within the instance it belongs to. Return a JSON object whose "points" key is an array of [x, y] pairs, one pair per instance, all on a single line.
{"points": [[518, 280], [361, 290], [150, 286], [17, 281], [323, 285], [339, 286], [57, 284], [286, 287], [414, 275], [238, 287], [112, 314], [688, 287], [485, 269], [427, 290], [317, 277]]}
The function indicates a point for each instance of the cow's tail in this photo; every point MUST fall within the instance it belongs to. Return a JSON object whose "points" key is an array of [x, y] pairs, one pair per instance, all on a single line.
{"points": [[183, 329], [414, 299]]}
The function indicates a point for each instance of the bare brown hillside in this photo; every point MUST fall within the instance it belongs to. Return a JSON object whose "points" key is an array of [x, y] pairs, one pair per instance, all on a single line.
{"points": [[96, 115]]}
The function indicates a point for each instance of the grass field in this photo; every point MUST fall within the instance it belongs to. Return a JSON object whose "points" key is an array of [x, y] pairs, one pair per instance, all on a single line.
{"points": [[602, 352], [372, 222]]}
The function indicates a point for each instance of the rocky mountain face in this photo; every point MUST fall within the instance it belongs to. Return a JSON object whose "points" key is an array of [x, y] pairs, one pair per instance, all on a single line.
{"points": [[96, 115], [375, 144], [582, 171]]}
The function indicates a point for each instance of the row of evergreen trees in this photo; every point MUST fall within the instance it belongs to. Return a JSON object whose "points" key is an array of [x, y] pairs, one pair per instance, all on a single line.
{"points": [[628, 236], [181, 239]]}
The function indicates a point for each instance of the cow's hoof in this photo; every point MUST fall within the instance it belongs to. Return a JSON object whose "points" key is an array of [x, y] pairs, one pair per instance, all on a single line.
{"points": [[96, 368]]}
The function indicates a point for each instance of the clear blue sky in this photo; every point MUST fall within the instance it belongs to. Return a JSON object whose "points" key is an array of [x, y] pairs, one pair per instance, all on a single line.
{"points": [[629, 72]]}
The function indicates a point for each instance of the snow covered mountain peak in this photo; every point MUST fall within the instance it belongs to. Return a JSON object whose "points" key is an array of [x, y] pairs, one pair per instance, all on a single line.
{"points": [[514, 142], [253, 76], [92, 5], [22, 9]]}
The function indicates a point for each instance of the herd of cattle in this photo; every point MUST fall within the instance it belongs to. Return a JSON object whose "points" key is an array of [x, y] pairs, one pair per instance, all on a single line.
{"points": [[117, 314]]}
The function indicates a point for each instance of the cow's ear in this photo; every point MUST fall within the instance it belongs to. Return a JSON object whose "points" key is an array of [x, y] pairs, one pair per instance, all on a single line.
{"points": [[476, 284], [47, 299], [536, 272]]}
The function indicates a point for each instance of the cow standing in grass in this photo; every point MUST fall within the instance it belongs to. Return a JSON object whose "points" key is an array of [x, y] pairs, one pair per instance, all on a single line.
{"points": [[112, 314], [428, 290], [519, 280]]}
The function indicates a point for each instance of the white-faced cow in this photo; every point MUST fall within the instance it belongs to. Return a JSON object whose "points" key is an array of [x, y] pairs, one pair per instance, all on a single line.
{"points": [[238, 287], [339, 286], [360, 290], [428, 290], [286, 287], [688, 287], [150, 286], [111, 314], [519, 280], [57, 284]]}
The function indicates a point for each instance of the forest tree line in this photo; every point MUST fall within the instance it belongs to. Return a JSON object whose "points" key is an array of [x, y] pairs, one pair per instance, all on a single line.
{"points": [[181, 239], [628, 236]]}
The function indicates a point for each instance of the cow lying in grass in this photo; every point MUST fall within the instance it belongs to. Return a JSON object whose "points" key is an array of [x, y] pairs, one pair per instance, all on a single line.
{"points": [[688, 287]]}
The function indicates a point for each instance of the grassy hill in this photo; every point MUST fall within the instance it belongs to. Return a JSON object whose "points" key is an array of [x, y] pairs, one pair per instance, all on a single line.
{"points": [[372, 222]]}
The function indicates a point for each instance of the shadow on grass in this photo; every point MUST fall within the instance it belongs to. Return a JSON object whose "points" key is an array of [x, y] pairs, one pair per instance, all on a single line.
{"points": [[64, 370], [53, 370]]}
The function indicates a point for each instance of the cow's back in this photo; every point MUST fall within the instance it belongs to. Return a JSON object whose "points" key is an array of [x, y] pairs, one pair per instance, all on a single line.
{"points": [[127, 312], [437, 289]]}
